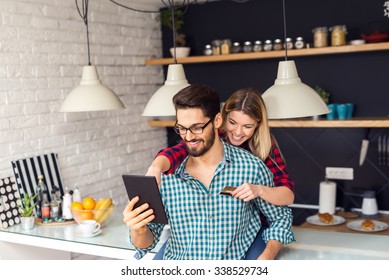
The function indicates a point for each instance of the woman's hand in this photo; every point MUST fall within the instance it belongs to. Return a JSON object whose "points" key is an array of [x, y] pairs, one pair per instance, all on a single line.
{"points": [[247, 192]]}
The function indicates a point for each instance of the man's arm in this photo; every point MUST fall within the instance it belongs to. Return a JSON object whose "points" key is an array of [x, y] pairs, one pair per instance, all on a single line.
{"points": [[271, 250]]}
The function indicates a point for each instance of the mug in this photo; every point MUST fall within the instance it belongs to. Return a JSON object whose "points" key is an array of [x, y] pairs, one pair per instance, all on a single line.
{"points": [[350, 110], [332, 115], [341, 110], [89, 227]]}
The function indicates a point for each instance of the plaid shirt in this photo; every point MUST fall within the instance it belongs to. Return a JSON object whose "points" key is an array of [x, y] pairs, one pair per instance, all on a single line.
{"points": [[207, 225], [274, 162]]}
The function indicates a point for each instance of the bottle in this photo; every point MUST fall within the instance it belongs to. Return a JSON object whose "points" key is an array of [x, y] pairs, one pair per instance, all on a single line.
{"points": [[225, 47], [59, 200], [54, 205], [236, 48], [247, 47], [268, 46], [45, 206], [66, 203], [76, 196], [208, 50], [277, 45], [41, 188], [216, 47], [288, 44]]}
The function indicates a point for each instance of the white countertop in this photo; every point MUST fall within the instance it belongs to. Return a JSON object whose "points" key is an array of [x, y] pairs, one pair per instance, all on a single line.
{"points": [[113, 242]]}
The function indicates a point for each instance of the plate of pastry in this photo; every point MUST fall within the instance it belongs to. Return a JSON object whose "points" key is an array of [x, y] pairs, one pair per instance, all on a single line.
{"points": [[325, 219], [367, 225]]}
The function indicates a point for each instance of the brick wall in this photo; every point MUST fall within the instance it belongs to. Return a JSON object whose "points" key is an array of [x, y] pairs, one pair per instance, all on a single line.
{"points": [[42, 52]]}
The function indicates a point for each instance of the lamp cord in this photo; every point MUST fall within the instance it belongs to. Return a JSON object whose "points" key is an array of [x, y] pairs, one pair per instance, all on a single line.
{"points": [[284, 15], [84, 16], [174, 36]]}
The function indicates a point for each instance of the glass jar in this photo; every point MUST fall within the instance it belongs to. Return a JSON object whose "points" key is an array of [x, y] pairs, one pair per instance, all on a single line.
{"points": [[320, 37], [208, 50], [225, 47], [247, 47], [299, 44], [257, 46], [216, 44], [268, 46], [277, 46], [236, 48], [338, 35], [288, 43]]}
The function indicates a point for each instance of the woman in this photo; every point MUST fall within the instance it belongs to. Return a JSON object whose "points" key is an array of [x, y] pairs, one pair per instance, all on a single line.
{"points": [[244, 125]]}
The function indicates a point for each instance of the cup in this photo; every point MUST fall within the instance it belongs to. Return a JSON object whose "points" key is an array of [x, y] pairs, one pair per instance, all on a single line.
{"points": [[333, 114], [341, 110], [350, 110], [89, 227]]}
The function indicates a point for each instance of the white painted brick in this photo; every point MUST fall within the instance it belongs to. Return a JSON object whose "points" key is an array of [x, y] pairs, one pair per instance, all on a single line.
{"points": [[24, 147], [36, 108], [21, 122], [21, 71], [18, 97], [36, 83]]}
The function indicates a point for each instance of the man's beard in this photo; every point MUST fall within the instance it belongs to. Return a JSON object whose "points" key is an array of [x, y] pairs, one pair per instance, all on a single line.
{"points": [[205, 148]]}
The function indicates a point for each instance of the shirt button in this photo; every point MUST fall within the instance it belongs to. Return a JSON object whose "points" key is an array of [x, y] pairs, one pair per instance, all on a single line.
{"points": [[210, 217]]}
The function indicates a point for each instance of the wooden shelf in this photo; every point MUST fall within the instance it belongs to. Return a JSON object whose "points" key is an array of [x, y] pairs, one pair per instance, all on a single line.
{"points": [[296, 123], [272, 54]]}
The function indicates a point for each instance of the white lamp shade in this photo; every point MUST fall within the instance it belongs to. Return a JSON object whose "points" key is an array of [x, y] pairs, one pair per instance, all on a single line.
{"points": [[91, 95], [161, 103], [290, 98]]}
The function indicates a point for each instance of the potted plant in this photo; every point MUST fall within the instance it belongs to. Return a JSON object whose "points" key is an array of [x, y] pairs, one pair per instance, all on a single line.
{"points": [[26, 210], [165, 18]]}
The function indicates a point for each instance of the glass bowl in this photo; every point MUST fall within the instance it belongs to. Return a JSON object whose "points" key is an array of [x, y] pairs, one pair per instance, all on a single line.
{"points": [[100, 215]]}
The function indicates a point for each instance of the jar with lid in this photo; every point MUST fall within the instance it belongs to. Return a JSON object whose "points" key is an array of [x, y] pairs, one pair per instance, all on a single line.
{"points": [[236, 48], [320, 37], [288, 43], [225, 47], [247, 47], [299, 43], [338, 35], [208, 50], [277, 46], [216, 47], [268, 46], [257, 46]]}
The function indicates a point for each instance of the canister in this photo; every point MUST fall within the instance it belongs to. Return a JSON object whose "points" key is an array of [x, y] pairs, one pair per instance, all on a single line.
{"points": [[247, 47], [277, 46], [320, 37], [338, 35], [257, 46]]}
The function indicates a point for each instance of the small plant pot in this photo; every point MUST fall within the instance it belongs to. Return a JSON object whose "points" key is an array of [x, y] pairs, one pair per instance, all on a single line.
{"points": [[180, 52], [27, 223]]}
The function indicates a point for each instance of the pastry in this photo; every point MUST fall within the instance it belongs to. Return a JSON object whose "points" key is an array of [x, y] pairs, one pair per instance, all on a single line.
{"points": [[326, 218], [367, 224]]}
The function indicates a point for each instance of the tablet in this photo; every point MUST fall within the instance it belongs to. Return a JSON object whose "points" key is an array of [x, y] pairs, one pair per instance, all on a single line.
{"points": [[146, 188]]}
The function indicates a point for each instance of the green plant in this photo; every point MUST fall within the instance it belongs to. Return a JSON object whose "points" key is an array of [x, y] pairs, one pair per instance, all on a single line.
{"points": [[28, 205], [165, 18], [323, 94]]}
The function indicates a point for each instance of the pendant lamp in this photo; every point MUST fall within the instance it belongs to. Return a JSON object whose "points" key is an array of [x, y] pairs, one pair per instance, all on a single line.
{"points": [[91, 94], [161, 103], [289, 97]]}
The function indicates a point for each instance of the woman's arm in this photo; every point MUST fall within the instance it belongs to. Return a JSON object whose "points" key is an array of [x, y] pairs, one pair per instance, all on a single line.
{"points": [[167, 160]]}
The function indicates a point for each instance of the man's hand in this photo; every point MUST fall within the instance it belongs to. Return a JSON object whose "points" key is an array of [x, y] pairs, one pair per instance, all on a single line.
{"points": [[137, 220], [247, 192]]}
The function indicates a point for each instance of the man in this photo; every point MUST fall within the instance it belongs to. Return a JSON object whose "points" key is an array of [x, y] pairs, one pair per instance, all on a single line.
{"points": [[205, 224]]}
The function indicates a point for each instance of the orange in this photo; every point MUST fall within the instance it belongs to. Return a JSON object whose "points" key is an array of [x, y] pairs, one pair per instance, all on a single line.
{"points": [[89, 203], [76, 206], [85, 215]]}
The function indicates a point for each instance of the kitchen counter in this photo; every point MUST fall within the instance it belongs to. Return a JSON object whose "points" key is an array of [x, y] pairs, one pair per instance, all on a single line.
{"points": [[57, 242]]}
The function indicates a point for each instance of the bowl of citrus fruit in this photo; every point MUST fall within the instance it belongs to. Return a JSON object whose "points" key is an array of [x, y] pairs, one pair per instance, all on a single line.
{"points": [[90, 209]]}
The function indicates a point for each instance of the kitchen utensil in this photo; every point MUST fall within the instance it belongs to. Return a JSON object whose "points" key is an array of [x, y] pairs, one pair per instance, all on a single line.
{"points": [[364, 147], [369, 205]]}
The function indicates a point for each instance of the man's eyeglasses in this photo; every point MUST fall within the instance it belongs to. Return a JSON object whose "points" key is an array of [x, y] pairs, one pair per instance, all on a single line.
{"points": [[194, 129]]}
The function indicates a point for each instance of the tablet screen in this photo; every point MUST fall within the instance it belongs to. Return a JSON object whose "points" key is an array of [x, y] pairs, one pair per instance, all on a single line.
{"points": [[146, 188]]}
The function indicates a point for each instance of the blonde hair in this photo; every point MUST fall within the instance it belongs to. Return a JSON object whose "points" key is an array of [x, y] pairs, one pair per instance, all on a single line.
{"points": [[250, 102]]}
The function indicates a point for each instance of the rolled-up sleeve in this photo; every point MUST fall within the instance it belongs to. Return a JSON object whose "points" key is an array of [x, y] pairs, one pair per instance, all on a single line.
{"points": [[156, 230]]}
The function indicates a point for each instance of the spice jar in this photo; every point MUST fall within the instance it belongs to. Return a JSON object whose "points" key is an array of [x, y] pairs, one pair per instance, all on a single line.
{"points": [[208, 50], [216, 47], [268, 46], [257, 46], [299, 44], [338, 35], [236, 47], [247, 47], [277, 45], [288, 44], [320, 37], [225, 47]]}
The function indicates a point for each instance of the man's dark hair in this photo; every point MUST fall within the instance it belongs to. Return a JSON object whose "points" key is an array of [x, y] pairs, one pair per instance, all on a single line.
{"points": [[198, 96]]}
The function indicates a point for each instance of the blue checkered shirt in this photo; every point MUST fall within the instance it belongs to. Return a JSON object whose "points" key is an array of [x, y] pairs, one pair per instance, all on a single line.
{"points": [[206, 225]]}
